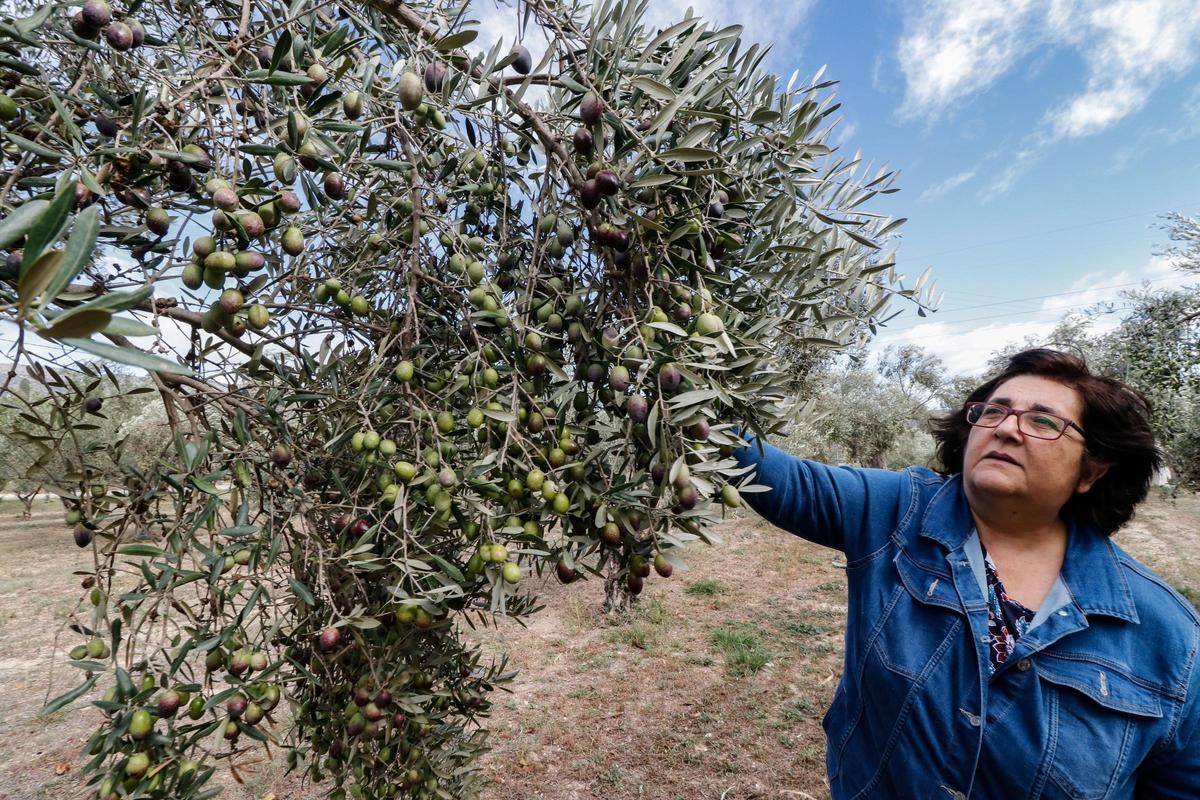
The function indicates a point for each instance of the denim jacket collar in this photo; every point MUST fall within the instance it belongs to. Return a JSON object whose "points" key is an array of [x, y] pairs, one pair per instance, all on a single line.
{"points": [[1091, 570]]}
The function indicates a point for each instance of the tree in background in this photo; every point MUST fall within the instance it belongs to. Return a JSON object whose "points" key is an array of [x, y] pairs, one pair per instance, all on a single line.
{"points": [[1072, 334], [918, 375], [872, 416], [1185, 232], [1155, 348], [412, 338]]}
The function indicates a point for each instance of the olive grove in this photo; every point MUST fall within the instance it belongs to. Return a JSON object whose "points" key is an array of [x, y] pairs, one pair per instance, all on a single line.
{"points": [[409, 337]]}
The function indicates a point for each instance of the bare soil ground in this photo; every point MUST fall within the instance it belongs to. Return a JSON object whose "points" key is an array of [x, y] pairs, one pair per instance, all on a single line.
{"points": [[713, 688]]}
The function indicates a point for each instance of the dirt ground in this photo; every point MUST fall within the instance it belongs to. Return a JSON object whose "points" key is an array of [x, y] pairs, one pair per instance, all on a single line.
{"points": [[714, 688]]}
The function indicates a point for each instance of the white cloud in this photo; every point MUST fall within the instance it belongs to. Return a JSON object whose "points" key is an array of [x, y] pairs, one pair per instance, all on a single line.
{"points": [[945, 187], [951, 50], [1092, 112], [763, 21], [1181, 128], [1130, 47], [964, 349]]}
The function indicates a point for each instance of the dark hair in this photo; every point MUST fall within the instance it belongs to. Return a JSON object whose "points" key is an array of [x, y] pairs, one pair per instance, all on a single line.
{"points": [[1115, 416]]}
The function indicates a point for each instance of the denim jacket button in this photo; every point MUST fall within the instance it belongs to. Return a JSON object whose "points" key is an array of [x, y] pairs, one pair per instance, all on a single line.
{"points": [[1024, 664]]}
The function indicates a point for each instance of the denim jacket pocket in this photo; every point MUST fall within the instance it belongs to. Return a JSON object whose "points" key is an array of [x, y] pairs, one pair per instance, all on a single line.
{"points": [[1099, 718], [900, 659]]}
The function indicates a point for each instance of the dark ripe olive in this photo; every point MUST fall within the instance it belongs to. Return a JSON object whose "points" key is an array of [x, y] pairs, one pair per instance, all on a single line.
{"points": [[607, 182], [589, 194], [638, 408], [583, 141], [96, 13], [435, 76], [104, 124], [564, 572], [335, 186], [329, 640], [139, 32], [591, 108], [119, 36], [81, 28], [524, 61]]}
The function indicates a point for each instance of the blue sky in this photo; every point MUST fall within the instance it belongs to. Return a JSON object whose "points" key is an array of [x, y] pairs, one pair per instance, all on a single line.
{"points": [[1036, 143]]}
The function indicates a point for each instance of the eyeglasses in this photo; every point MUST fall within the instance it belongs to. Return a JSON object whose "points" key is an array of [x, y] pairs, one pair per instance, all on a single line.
{"points": [[1038, 424]]}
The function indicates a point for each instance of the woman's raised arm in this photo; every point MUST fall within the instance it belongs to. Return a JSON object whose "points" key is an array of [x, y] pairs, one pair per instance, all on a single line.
{"points": [[848, 508]]}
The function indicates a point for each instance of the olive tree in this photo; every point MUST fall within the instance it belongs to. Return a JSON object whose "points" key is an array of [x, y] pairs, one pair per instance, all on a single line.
{"points": [[413, 336]]}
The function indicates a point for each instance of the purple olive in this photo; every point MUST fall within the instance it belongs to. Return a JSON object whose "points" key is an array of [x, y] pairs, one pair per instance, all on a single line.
{"points": [[119, 36]]}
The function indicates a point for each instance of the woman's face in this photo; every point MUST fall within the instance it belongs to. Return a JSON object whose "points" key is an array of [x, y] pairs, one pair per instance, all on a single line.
{"points": [[1004, 462]]}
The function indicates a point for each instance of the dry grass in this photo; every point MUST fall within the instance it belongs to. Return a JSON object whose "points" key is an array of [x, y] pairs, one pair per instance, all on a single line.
{"points": [[713, 688]]}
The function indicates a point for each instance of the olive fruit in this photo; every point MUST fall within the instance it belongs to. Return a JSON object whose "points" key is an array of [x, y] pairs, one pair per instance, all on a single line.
{"points": [[410, 90], [524, 61], [435, 76], [168, 703], [610, 534], [329, 640], [196, 708], [618, 378], [96, 13], [335, 186], [225, 199], [607, 182], [119, 36], [591, 108], [564, 572], [638, 408], [158, 221], [258, 316], [137, 765], [293, 241], [236, 706], [231, 301], [138, 30], [709, 324], [81, 28], [285, 169], [140, 724]]}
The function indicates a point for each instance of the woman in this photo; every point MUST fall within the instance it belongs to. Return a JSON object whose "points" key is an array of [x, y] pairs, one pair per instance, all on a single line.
{"points": [[998, 644]]}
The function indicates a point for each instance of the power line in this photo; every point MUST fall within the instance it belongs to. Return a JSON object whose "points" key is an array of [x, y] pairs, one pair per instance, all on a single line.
{"points": [[942, 334], [1034, 234], [1057, 294]]}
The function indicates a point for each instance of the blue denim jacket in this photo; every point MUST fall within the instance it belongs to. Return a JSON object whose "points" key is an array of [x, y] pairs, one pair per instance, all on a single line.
{"points": [[1101, 699]]}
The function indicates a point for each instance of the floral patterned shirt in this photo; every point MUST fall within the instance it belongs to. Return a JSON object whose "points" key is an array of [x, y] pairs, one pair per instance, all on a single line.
{"points": [[1007, 619]]}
